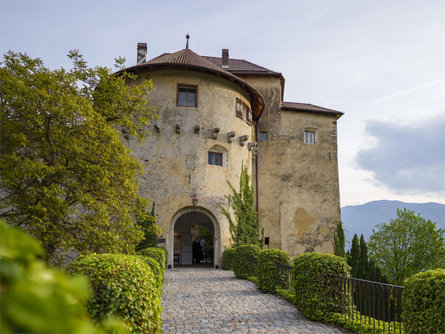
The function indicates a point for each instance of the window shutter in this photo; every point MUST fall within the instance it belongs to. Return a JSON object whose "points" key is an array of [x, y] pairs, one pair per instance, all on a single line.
{"points": [[239, 113], [248, 115]]}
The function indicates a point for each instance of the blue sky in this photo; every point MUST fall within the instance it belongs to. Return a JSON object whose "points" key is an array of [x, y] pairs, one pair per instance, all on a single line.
{"points": [[380, 62]]}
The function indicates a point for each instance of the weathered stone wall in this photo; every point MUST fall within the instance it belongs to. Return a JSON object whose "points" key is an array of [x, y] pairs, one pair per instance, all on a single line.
{"points": [[176, 165], [298, 190]]}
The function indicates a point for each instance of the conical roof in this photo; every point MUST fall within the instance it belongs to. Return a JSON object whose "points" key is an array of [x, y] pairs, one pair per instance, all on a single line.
{"points": [[186, 59]]}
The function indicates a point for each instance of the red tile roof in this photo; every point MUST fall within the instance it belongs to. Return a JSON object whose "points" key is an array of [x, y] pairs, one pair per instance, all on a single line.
{"points": [[189, 60], [241, 66], [306, 107]]}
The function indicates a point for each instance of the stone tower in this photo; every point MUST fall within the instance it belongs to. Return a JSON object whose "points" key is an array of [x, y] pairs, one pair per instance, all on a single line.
{"points": [[216, 114]]}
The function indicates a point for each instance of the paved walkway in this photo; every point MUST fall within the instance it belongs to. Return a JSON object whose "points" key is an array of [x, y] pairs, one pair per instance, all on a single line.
{"points": [[205, 300]]}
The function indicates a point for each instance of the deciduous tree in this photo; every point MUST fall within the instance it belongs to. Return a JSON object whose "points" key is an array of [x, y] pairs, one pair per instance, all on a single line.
{"points": [[407, 245], [66, 178]]}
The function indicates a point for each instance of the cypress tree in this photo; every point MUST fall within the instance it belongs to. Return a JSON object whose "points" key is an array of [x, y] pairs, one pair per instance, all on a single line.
{"points": [[339, 240], [363, 263], [354, 256]]}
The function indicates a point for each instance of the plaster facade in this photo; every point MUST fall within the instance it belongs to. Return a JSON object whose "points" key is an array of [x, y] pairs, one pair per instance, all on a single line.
{"points": [[296, 184]]}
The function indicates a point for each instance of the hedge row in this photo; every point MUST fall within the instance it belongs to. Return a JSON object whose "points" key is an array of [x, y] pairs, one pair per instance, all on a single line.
{"points": [[270, 274], [228, 257], [38, 299], [123, 286], [423, 302], [157, 253], [313, 284], [245, 261]]}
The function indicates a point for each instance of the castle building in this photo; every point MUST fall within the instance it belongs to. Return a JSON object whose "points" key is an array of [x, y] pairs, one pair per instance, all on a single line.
{"points": [[216, 114]]}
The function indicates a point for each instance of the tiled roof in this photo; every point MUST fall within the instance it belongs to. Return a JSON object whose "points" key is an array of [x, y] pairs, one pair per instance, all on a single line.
{"points": [[189, 60], [306, 107], [241, 66]]}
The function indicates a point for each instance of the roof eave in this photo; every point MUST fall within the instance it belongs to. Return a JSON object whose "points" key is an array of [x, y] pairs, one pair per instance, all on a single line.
{"points": [[338, 114], [257, 101]]}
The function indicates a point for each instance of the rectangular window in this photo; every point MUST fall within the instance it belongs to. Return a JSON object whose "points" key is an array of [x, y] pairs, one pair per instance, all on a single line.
{"points": [[187, 96], [215, 158], [243, 111], [263, 136], [309, 137]]}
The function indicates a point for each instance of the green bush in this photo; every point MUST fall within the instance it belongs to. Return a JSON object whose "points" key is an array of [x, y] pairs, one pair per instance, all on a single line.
{"points": [[156, 253], [423, 302], [245, 260], [123, 285], [156, 270], [312, 281], [270, 275], [34, 297], [228, 257]]}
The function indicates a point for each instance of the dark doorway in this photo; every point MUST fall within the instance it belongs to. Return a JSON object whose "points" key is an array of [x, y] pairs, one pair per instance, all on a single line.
{"points": [[194, 240]]}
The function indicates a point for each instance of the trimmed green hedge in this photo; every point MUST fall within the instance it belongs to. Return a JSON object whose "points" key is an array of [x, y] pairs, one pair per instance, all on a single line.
{"points": [[156, 270], [271, 276], [228, 258], [157, 253], [423, 302], [243, 266], [36, 298], [123, 285], [311, 279]]}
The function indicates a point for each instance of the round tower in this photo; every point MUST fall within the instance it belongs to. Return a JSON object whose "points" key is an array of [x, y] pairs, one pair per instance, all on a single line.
{"points": [[203, 135]]}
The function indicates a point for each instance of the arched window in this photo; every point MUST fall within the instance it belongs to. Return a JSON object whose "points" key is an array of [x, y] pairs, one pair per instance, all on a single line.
{"points": [[217, 155]]}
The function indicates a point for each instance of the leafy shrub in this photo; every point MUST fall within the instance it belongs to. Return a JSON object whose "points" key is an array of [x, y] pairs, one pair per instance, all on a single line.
{"points": [[35, 298], [156, 270], [313, 284], [271, 275], [423, 301], [245, 260], [228, 257], [123, 285], [156, 253]]}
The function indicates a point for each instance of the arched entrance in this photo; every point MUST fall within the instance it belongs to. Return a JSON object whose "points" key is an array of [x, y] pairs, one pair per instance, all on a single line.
{"points": [[184, 231]]}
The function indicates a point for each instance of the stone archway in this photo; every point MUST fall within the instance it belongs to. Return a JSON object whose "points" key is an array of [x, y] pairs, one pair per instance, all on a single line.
{"points": [[186, 218]]}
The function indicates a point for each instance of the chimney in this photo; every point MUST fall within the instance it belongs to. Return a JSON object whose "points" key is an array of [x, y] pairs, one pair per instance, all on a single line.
{"points": [[225, 58], [142, 53]]}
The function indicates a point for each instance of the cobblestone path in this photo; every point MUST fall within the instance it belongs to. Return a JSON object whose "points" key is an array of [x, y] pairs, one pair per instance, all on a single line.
{"points": [[205, 300]]}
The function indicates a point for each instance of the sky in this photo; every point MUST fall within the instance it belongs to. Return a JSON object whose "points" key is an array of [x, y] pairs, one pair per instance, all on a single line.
{"points": [[380, 62]]}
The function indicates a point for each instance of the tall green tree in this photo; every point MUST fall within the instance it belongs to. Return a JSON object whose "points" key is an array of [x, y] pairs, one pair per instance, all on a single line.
{"points": [[66, 177], [363, 263], [407, 245], [354, 256], [339, 240], [148, 224], [244, 229]]}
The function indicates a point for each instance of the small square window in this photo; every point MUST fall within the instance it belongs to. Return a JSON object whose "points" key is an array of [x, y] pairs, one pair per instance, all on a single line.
{"points": [[187, 96], [215, 158], [263, 136], [309, 137]]}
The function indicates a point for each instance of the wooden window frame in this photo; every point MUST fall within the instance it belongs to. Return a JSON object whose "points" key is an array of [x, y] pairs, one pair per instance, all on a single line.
{"points": [[243, 111], [213, 158], [186, 86]]}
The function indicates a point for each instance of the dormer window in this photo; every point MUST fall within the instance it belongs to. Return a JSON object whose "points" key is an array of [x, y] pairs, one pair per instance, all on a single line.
{"points": [[243, 111], [187, 96]]}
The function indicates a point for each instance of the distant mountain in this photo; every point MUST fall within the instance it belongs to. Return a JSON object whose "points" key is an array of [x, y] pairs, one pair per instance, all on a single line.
{"points": [[362, 219]]}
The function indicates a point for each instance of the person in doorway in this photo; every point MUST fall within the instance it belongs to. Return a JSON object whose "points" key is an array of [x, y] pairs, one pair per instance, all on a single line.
{"points": [[196, 251]]}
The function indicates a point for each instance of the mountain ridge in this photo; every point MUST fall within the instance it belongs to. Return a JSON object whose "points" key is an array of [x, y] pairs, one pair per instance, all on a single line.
{"points": [[363, 218]]}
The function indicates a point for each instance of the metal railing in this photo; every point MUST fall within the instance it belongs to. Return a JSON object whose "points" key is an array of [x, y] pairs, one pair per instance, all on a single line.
{"points": [[376, 304]]}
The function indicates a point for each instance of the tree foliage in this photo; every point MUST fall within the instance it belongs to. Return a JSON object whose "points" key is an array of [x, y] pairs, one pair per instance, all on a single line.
{"points": [[339, 240], [407, 245], [244, 230], [66, 177], [148, 223], [354, 255]]}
